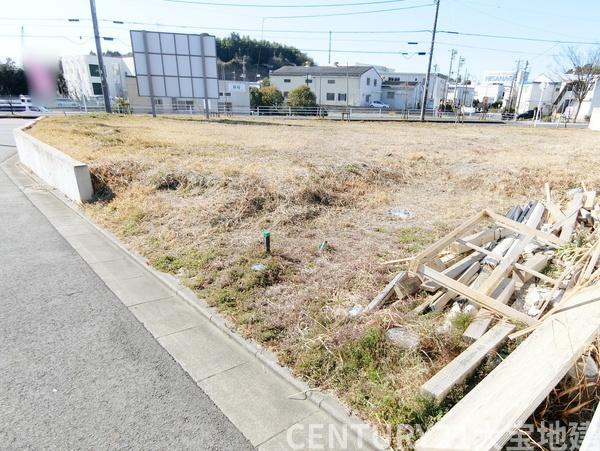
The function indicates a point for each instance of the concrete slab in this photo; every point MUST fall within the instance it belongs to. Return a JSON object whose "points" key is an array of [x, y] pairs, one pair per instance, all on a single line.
{"points": [[93, 247], [138, 290], [263, 396], [167, 316], [204, 351], [318, 431], [120, 269]]}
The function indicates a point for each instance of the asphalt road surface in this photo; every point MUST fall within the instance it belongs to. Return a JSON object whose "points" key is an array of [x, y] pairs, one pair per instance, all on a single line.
{"points": [[77, 370]]}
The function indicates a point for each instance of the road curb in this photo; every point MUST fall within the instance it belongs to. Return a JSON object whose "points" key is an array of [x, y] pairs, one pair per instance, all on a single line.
{"points": [[325, 402]]}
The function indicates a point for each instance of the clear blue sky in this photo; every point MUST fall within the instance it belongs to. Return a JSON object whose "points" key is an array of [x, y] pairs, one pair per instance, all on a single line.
{"points": [[538, 19]]}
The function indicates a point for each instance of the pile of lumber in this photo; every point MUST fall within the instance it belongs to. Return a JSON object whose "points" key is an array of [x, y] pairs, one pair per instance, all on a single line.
{"points": [[495, 267]]}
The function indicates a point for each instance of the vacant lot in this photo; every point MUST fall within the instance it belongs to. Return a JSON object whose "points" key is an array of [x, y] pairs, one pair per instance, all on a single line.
{"points": [[193, 197]]}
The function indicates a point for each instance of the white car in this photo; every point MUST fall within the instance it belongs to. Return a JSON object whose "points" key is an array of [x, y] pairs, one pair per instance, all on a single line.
{"points": [[378, 104]]}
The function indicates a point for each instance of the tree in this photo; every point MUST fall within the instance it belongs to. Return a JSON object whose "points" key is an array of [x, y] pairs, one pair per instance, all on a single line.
{"points": [[13, 81], [302, 96], [265, 96], [61, 83], [580, 70]]}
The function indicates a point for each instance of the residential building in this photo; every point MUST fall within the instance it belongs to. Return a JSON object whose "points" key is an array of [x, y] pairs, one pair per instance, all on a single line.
{"points": [[489, 93], [460, 95], [542, 92], [234, 96], [503, 85], [406, 88], [355, 86], [566, 102], [82, 75]]}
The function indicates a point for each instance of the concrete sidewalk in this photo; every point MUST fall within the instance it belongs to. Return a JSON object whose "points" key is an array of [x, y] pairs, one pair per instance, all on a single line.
{"points": [[267, 408]]}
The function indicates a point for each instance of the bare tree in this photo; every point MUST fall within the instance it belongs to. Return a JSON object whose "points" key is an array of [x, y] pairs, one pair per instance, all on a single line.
{"points": [[580, 70]]}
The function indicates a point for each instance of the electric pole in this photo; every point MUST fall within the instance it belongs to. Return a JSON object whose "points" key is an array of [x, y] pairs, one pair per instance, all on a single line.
{"points": [[512, 87], [105, 92], [329, 58], [452, 55], [426, 90], [521, 89], [461, 61]]}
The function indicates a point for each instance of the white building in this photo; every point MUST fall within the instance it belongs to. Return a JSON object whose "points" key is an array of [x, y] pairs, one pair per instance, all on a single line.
{"points": [[405, 89], [566, 103], [234, 96], [542, 92], [355, 86], [503, 85], [460, 95], [82, 75], [489, 93]]}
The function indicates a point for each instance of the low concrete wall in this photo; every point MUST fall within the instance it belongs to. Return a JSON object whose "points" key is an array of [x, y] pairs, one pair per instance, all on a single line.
{"points": [[59, 170], [595, 119]]}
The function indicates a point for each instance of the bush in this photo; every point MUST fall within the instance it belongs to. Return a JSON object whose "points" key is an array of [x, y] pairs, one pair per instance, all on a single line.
{"points": [[302, 96], [266, 95]]}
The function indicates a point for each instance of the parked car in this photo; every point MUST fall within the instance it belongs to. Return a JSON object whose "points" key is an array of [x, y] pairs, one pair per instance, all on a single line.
{"points": [[378, 104], [527, 115]]}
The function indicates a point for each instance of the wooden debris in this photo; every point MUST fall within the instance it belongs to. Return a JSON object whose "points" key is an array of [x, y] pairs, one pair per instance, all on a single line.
{"points": [[490, 413], [591, 441], [440, 302], [403, 282], [462, 366], [571, 214]]}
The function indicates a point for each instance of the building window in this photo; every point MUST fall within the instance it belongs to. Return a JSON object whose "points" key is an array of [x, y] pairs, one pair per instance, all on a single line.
{"points": [[368, 81], [158, 102], [374, 82], [330, 96], [309, 80], [227, 94], [287, 80], [390, 94], [331, 82], [285, 94], [94, 70], [368, 98], [341, 97], [97, 89]]}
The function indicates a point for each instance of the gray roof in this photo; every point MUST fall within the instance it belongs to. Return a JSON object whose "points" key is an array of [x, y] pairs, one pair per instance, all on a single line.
{"points": [[323, 71]]}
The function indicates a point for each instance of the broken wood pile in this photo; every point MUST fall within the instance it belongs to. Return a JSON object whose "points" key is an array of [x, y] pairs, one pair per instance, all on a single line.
{"points": [[533, 271]]}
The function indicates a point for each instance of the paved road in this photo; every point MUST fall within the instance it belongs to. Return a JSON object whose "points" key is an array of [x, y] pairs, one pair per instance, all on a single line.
{"points": [[77, 370]]}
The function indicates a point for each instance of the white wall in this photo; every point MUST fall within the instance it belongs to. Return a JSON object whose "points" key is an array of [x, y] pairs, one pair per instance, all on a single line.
{"points": [[80, 81], [531, 93], [493, 91], [320, 86]]}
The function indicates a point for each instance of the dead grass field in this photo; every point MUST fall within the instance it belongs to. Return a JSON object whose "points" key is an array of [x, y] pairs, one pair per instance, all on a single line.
{"points": [[193, 197]]}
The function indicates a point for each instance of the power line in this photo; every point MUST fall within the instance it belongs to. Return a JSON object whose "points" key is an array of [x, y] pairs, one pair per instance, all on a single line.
{"points": [[262, 5], [349, 13], [516, 38]]}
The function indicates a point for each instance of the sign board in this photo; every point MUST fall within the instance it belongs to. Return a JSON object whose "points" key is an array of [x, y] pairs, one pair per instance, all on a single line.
{"points": [[175, 64]]}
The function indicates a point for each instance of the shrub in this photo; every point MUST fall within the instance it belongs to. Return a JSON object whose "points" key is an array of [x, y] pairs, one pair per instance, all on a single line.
{"points": [[302, 96]]}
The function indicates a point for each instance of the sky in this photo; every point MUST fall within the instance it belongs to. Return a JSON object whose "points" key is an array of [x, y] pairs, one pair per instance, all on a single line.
{"points": [[376, 32]]}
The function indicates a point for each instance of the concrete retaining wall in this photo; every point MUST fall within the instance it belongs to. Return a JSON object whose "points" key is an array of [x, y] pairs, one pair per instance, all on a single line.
{"points": [[595, 119], [62, 172]]}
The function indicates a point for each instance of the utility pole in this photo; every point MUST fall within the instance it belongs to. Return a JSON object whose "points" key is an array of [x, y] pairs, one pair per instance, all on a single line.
{"points": [[452, 55], [521, 89], [512, 86], [461, 61], [329, 58], [426, 90], [105, 92], [244, 68]]}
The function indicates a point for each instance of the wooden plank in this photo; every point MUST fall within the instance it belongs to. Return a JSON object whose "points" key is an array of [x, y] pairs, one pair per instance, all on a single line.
{"points": [[505, 265], [462, 366], [591, 441], [490, 414], [444, 242], [536, 262], [589, 269], [465, 278], [455, 270], [483, 319], [534, 273], [572, 212], [385, 294], [590, 200], [479, 239], [473, 295], [554, 209], [474, 247], [542, 237]]}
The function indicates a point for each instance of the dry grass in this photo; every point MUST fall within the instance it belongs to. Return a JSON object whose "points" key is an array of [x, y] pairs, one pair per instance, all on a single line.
{"points": [[193, 197]]}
